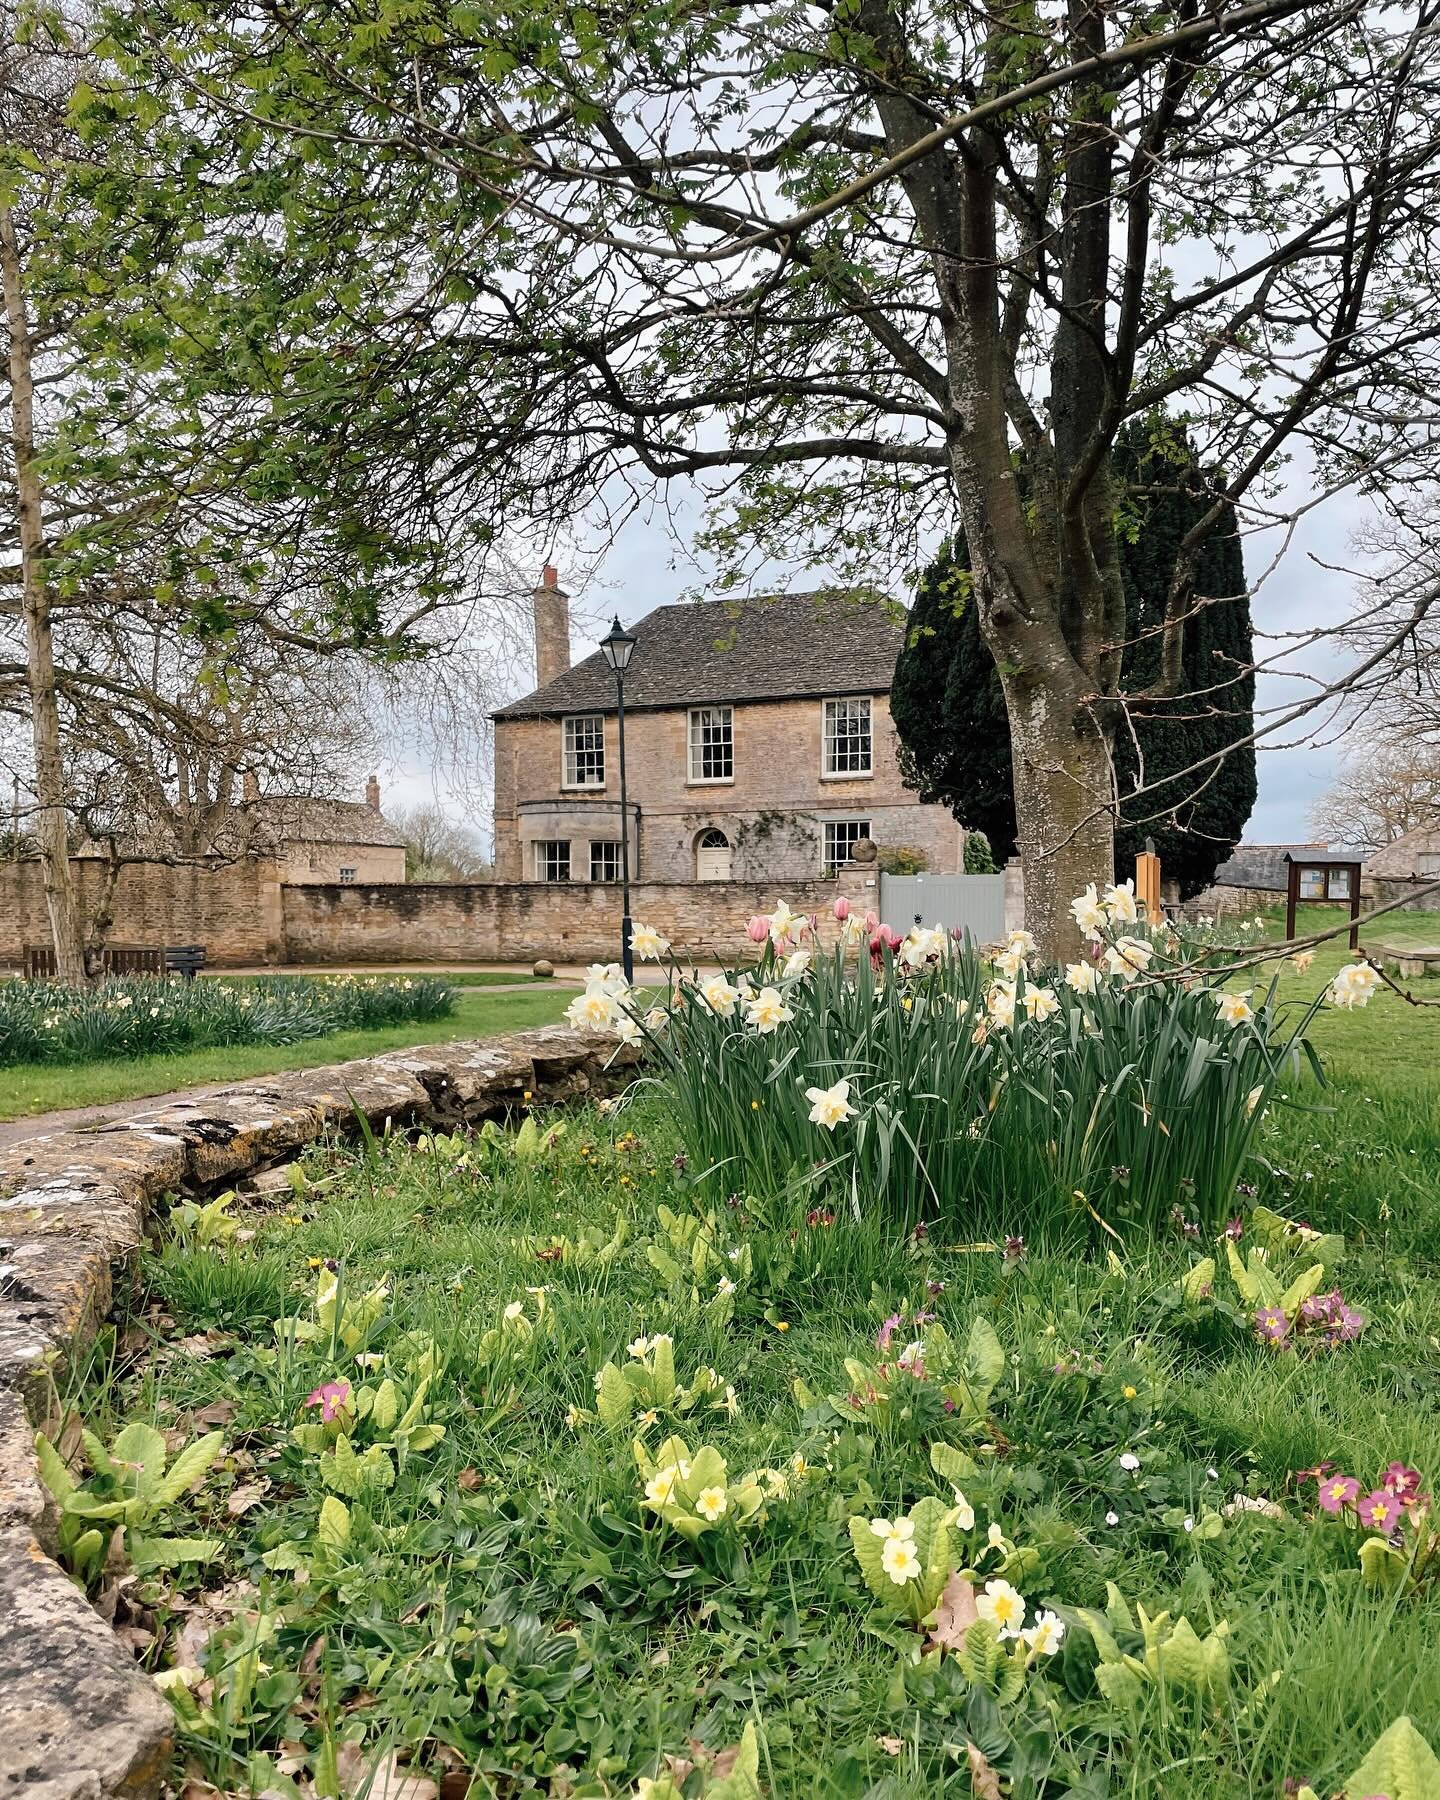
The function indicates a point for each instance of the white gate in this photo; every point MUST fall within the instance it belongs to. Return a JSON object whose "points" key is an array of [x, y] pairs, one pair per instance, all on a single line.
{"points": [[969, 903]]}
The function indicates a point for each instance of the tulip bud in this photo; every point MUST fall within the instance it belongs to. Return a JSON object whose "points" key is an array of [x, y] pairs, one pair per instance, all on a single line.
{"points": [[841, 909], [758, 929]]}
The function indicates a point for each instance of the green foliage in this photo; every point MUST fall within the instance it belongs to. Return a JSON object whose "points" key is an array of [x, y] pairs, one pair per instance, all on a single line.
{"points": [[134, 1487], [949, 709], [979, 858], [47, 1022]]}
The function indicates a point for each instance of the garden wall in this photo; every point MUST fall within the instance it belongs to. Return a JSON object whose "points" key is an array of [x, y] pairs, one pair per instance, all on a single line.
{"points": [[231, 908], [78, 1719], [519, 921]]}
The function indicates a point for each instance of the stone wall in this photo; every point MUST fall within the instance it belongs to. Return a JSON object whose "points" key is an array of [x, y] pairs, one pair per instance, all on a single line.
{"points": [[1227, 901], [79, 1720], [232, 908], [519, 921]]}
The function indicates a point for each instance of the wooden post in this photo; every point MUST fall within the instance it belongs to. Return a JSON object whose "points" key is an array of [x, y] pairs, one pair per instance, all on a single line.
{"points": [[1354, 905], [1292, 898], [1147, 882]]}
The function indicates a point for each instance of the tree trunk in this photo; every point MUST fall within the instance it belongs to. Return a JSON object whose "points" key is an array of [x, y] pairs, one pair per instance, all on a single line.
{"points": [[52, 835], [1063, 798]]}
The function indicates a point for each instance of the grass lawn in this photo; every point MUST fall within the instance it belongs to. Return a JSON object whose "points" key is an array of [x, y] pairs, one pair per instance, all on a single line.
{"points": [[489, 1583], [27, 1089]]}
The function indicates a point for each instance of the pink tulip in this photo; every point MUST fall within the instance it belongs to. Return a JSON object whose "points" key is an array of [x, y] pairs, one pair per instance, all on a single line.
{"points": [[872, 919], [841, 910], [758, 929]]}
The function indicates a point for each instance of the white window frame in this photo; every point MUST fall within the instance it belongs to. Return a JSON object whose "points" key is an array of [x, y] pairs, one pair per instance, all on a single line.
{"points": [[571, 750], [830, 737], [348, 874], [546, 852], [723, 718], [603, 845], [828, 862]]}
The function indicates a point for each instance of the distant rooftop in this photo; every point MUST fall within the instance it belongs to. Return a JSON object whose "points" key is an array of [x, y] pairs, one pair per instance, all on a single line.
{"points": [[282, 819], [717, 652], [1264, 865]]}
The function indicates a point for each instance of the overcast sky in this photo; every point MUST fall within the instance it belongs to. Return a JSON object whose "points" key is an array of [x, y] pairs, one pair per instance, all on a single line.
{"points": [[643, 570]]}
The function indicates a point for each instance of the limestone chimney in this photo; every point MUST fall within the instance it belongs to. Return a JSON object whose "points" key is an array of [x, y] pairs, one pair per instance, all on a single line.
{"points": [[372, 794], [552, 628]]}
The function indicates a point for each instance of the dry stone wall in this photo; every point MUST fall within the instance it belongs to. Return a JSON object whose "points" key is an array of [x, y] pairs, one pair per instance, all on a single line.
{"points": [[78, 1719]]}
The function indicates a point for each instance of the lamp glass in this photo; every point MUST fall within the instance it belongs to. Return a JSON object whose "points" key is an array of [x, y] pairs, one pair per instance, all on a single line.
{"points": [[618, 647]]}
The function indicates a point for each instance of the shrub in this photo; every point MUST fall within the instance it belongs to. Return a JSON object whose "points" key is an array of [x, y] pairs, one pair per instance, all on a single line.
{"points": [[979, 858]]}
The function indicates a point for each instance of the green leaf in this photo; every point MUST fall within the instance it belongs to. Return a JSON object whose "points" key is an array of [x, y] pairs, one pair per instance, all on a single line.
{"points": [[334, 1527], [1400, 1765], [189, 1466], [386, 1408], [1196, 1283], [743, 1781], [139, 1454], [1301, 1289], [868, 1551], [1382, 1565], [952, 1465], [53, 1471], [614, 1398], [169, 1553]]}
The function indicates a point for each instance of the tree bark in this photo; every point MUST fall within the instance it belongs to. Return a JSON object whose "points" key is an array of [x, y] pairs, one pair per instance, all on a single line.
{"points": [[52, 837]]}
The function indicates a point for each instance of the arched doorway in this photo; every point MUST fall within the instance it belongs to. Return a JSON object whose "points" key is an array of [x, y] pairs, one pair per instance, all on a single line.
{"points": [[712, 856]]}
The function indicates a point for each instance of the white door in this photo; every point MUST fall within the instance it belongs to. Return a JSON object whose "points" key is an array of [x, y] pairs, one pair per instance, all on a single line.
{"points": [[712, 857]]}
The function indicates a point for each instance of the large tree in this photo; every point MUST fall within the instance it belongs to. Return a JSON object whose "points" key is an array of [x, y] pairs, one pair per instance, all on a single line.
{"points": [[1185, 768], [847, 263]]}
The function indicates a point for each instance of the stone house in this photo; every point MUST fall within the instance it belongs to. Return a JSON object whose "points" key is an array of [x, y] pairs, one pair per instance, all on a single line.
{"points": [[1414, 855], [314, 840], [758, 740]]}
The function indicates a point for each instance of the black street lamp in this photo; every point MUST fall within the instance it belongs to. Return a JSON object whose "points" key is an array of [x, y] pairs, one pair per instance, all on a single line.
{"points": [[617, 648]]}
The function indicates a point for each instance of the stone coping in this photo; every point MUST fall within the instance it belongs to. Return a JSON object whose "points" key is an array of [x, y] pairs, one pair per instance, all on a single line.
{"points": [[78, 1719]]}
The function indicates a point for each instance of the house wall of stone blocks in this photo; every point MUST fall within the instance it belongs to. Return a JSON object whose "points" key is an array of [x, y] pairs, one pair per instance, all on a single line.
{"points": [[773, 812]]}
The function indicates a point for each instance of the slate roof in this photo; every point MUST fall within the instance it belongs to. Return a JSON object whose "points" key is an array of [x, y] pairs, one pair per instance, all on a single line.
{"points": [[282, 819], [1262, 865], [717, 652]]}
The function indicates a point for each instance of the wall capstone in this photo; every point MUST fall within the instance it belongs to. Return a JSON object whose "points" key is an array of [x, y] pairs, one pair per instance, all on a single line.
{"points": [[78, 1719]]}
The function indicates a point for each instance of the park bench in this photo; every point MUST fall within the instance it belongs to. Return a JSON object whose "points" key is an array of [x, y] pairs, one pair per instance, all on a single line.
{"points": [[185, 960]]}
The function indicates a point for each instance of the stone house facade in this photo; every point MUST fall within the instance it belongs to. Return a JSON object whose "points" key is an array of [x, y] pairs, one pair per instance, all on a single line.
{"points": [[1414, 855], [322, 840], [758, 739]]}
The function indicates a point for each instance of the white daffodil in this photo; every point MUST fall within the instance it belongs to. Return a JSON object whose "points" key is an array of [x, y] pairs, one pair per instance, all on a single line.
{"points": [[785, 926], [628, 1030], [768, 1011], [1121, 904], [1020, 943], [1041, 1003], [1089, 912], [648, 944], [1233, 1009], [1129, 957], [719, 996], [1082, 977], [1003, 1607], [1010, 963], [1353, 986], [830, 1106], [592, 1011], [1000, 1003], [796, 963]]}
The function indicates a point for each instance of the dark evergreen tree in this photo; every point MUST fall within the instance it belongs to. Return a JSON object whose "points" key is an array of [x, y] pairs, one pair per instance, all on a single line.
{"points": [[950, 714]]}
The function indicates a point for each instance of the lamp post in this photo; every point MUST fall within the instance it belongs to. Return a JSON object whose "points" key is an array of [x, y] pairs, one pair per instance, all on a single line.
{"points": [[617, 648]]}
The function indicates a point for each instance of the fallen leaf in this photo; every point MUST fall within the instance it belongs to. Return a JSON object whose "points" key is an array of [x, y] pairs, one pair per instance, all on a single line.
{"points": [[218, 1412], [379, 1777], [983, 1779], [243, 1498], [955, 1614], [892, 1746], [469, 1479]]}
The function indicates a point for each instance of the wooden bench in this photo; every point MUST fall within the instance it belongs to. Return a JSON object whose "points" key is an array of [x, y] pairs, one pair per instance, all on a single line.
{"points": [[186, 960]]}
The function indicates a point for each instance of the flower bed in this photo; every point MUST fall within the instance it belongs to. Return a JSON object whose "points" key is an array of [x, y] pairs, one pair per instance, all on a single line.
{"points": [[976, 1091], [44, 1022], [510, 1461]]}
